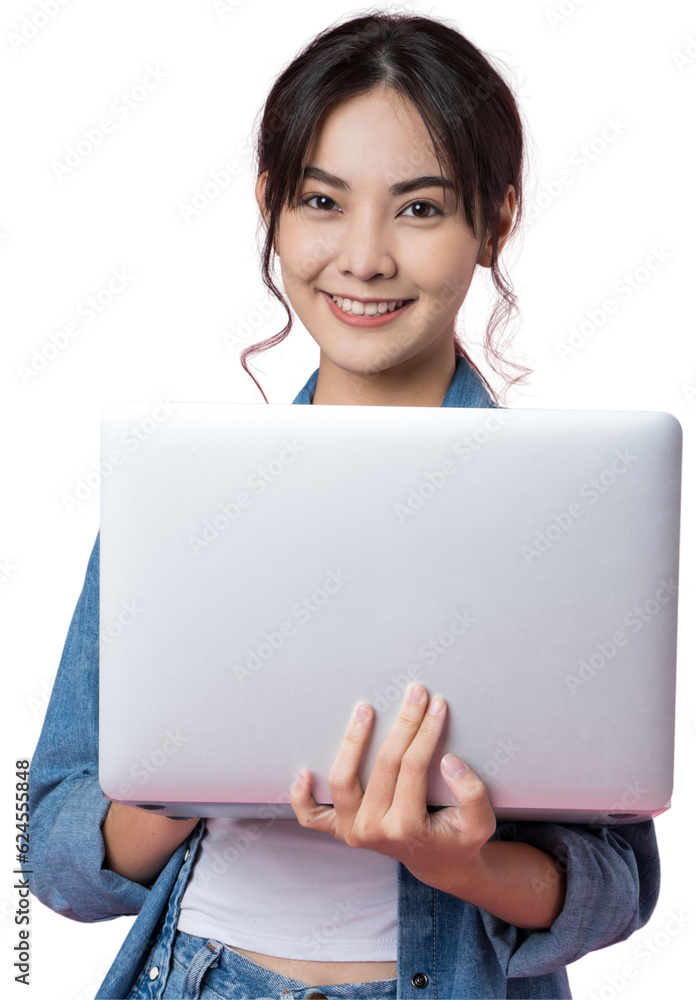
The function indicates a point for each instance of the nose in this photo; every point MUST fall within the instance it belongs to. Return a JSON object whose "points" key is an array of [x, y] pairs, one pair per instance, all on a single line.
{"points": [[365, 249]]}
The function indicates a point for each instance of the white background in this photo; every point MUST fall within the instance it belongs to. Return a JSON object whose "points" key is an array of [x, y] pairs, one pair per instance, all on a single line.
{"points": [[575, 68]]}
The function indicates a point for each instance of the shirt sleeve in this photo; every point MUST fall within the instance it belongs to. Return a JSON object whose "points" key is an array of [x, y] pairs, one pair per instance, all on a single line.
{"points": [[613, 881], [66, 804]]}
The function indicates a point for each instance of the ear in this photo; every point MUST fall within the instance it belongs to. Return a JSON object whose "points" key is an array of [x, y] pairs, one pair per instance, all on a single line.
{"points": [[507, 214], [260, 191]]}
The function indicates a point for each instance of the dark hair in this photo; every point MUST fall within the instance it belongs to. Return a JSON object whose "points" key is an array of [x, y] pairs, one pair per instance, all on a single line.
{"points": [[469, 112]]}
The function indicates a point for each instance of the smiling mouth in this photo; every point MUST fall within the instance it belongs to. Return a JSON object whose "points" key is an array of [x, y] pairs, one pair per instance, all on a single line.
{"points": [[370, 317], [373, 307]]}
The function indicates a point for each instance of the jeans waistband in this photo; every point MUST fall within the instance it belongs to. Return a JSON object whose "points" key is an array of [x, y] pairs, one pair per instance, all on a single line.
{"points": [[228, 973]]}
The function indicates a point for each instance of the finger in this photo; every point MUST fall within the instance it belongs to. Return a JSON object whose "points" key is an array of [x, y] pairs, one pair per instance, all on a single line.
{"points": [[412, 780], [304, 804], [344, 783], [381, 788], [476, 811]]}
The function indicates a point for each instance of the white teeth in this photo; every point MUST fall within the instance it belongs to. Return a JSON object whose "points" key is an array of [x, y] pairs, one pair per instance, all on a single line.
{"points": [[356, 308]]}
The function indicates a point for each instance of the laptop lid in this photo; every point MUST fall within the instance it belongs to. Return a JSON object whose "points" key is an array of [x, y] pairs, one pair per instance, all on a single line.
{"points": [[265, 567]]}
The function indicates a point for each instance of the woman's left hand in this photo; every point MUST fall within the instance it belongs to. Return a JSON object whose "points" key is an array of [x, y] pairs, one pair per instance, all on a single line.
{"points": [[391, 816]]}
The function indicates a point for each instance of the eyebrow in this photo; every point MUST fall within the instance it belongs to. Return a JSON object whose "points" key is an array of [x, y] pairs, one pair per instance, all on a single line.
{"points": [[401, 187]]}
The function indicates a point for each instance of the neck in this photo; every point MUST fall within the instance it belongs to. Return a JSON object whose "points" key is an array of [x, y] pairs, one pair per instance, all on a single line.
{"points": [[414, 382]]}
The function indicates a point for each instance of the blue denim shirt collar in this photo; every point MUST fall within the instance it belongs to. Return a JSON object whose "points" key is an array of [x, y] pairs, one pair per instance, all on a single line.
{"points": [[465, 389]]}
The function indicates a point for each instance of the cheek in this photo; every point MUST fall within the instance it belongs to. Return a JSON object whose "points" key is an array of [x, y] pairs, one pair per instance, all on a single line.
{"points": [[445, 283], [303, 253], [442, 262]]}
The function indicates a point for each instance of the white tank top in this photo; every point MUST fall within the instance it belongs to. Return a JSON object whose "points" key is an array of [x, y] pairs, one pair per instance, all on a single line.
{"points": [[278, 888]]}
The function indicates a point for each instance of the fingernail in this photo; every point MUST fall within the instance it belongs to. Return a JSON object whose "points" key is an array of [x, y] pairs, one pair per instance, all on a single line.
{"points": [[415, 694], [452, 766], [361, 713], [436, 705]]}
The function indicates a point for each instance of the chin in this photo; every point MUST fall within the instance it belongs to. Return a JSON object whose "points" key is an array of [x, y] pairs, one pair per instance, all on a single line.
{"points": [[364, 363]]}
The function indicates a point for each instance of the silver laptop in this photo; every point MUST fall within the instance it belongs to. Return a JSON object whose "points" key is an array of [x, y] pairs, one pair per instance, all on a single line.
{"points": [[263, 568]]}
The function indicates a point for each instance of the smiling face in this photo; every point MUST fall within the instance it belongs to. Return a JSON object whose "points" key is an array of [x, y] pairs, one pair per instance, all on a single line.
{"points": [[363, 230]]}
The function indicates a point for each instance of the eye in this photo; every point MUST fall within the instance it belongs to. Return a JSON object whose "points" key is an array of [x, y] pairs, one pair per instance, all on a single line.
{"points": [[321, 197], [325, 198], [424, 204]]}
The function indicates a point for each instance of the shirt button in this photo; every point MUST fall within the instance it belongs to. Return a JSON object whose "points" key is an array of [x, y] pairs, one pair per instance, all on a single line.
{"points": [[187, 854], [419, 980], [154, 972], [316, 996]]}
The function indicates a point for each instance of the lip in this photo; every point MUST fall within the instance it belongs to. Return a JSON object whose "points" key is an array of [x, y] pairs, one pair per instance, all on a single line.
{"points": [[380, 319], [375, 298]]}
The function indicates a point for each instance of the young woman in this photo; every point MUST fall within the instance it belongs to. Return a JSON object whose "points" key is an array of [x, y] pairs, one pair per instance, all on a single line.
{"points": [[390, 161]]}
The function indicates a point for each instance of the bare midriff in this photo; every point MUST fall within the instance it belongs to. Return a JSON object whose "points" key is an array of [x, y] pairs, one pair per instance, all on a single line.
{"points": [[322, 973]]}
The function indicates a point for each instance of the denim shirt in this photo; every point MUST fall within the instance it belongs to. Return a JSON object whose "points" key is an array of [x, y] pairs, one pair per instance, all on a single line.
{"points": [[446, 947]]}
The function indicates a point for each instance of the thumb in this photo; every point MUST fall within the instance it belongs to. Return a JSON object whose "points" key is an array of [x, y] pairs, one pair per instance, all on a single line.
{"points": [[470, 792], [453, 767]]}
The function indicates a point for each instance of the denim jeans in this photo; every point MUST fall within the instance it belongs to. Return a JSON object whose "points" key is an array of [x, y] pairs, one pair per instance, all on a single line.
{"points": [[207, 969]]}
